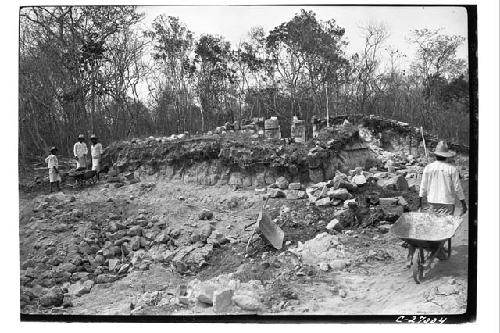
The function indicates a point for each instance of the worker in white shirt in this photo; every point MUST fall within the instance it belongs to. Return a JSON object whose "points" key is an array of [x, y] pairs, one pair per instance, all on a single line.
{"points": [[95, 152], [80, 151], [441, 183], [53, 166]]}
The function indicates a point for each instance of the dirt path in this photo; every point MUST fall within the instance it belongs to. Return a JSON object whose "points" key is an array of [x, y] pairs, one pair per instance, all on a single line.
{"points": [[390, 289]]}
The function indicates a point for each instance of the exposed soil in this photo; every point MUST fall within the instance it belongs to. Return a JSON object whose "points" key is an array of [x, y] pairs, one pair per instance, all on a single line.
{"points": [[127, 245]]}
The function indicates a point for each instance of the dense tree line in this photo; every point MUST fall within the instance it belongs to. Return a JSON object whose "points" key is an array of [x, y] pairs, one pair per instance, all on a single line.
{"points": [[98, 70]]}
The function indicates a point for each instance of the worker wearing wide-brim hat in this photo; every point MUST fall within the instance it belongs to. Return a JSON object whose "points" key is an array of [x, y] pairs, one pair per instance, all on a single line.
{"points": [[96, 153], [53, 166], [441, 182], [80, 152]]}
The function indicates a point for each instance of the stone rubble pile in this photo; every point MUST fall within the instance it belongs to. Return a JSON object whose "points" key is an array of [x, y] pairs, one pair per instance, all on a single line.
{"points": [[102, 248], [324, 251], [221, 294]]}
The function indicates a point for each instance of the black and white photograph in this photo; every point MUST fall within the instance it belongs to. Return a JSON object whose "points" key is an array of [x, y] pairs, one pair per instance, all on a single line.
{"points": [[252, 163]]}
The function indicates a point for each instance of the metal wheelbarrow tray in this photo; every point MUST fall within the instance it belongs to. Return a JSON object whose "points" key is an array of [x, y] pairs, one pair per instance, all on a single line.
{"points": [[425, 231], [82, 176]]}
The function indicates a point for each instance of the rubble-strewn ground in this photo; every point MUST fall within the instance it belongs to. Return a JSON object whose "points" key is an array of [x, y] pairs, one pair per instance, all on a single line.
{"points": [[158, 245]]}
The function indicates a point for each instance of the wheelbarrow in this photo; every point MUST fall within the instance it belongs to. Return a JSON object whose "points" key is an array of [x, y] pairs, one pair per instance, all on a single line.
{"points": [[426, 234], [83, 176], [266, 227]]}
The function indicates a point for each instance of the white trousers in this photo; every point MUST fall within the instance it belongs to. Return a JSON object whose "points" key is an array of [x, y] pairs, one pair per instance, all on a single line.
{"points": [[95, 164], [81, 162]]}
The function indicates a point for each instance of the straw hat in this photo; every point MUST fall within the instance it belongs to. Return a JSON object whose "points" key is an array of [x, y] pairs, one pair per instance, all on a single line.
{"points": [[93, 136], [53, 148], [442, 150], [81, 136]]}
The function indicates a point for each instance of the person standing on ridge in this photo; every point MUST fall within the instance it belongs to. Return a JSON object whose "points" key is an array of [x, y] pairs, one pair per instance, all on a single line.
{"points": [[95, 152], [53, 166], [80, 152]]}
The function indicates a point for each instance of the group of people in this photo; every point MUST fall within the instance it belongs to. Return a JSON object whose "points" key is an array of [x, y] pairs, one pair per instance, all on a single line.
{"points": [[80, 152]]}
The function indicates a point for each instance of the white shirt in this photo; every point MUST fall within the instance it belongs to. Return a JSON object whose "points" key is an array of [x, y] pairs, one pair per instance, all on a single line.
{"points": [[441, 183], [52, 161], [96, 150], [80, 149]]}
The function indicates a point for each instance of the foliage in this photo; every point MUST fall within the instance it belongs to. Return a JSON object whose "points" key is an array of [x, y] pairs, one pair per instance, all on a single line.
{"points": [[95, 69]]}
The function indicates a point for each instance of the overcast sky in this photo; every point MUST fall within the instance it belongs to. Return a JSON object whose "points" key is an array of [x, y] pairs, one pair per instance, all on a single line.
{"points": [[234, 22]]}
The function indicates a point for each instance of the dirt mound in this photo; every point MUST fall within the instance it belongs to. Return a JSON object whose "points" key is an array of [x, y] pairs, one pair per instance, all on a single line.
{"points": [[238, 149]]}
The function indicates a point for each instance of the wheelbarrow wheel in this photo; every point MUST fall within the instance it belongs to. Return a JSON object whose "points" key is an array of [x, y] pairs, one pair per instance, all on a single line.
{"points": [[418, 265]]}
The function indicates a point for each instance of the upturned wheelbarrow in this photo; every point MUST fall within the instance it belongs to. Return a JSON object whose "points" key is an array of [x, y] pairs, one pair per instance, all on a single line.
{"points": [[267, 228], [426, 233]]}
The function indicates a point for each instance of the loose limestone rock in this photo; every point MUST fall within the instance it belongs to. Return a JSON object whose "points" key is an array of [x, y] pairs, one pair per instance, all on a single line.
{"points": [[112, 264], [247, 302], [276, 193], [402, 201], [388, 201], [53, 297], [206, 215], [222, 300], [79, 289], [341, 194], [282, 183], [396, 183], [206, 293], [105, 278], [295, 194], [323, 202], [333, 224]]}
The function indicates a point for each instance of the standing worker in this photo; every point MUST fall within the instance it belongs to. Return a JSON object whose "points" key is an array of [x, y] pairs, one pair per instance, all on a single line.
{"points": [[53, 166], [95, 152], [441, 183], [80, 151]]}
